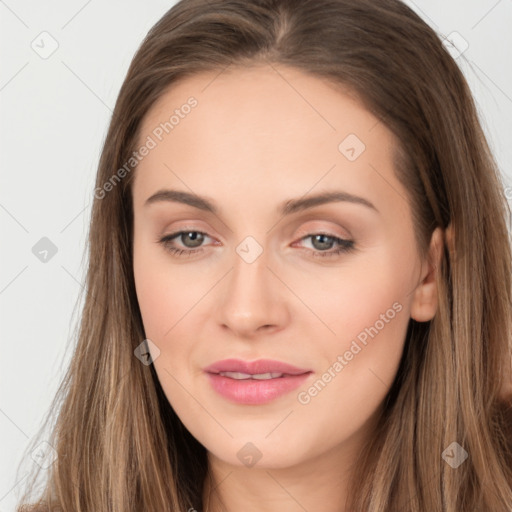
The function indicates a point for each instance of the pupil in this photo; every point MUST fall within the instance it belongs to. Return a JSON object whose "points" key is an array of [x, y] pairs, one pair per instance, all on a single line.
{"points": [[196, 238], [323, 244]]}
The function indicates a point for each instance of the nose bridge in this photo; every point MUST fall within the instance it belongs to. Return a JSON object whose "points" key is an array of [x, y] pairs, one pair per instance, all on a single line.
{"points": [[251, 297]]}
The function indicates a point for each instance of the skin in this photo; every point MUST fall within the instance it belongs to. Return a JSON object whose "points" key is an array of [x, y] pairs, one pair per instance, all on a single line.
{"points": [[258, 137]]}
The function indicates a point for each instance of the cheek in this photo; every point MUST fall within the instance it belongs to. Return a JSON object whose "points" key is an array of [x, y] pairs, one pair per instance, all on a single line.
{"points": [[165, 292], [366, 308], [351, 300], [157, 299], [171, 298], [368, 314], [164, 303]]}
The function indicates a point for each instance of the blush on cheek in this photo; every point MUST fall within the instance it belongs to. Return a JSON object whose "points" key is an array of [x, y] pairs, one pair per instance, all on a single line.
{"points": [[376, 337]]}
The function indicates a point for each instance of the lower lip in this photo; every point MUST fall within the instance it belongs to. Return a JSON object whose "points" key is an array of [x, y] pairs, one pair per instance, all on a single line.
{"points": [[253, 391]]}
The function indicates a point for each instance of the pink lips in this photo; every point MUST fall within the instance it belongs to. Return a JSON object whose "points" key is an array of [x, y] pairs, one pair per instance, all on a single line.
{"points": [[252, 391]]}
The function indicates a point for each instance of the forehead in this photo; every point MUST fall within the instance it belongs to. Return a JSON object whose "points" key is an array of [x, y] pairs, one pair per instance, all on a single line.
{"points": [[262, 129], [262, 99]]}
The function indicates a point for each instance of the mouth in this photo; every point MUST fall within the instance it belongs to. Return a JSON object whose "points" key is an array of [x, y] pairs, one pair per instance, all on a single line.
{"points": [[256, 376], [254, 383], [268, 368]]}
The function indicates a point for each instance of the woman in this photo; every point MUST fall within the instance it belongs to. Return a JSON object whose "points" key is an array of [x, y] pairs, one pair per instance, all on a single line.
{"points": [[298, 293]]}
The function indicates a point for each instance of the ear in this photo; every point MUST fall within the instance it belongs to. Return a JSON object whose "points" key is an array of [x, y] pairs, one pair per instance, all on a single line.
{"points": [[424, 303]]}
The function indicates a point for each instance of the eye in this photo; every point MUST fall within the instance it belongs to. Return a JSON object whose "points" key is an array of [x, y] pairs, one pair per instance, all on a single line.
{"points": [[322, 245], [190, 238]]}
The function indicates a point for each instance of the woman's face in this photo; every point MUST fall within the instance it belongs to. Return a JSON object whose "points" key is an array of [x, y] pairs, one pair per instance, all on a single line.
{"points": [[276, 272]]}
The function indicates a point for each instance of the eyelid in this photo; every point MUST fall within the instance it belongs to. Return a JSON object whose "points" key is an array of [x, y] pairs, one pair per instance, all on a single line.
{"points": [[302, 232], [313, 226], [186, 229], [320, 229]]}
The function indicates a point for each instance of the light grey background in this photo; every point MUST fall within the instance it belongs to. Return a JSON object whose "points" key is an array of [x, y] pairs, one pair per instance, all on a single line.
{"points": [[54, 116]]}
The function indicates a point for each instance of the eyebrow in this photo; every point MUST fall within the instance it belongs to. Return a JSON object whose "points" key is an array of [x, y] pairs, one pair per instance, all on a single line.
{"points": [[288, 207]]}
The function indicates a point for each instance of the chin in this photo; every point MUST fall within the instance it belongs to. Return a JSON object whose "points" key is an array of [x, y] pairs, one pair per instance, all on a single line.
{"points": [[259, 453]]}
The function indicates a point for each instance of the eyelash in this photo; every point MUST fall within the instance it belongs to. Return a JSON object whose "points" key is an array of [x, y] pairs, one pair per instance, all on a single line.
{"points": [[345, 246]]}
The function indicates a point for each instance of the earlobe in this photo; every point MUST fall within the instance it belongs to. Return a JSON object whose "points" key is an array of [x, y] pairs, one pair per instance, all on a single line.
{"points": [[425, 300]]}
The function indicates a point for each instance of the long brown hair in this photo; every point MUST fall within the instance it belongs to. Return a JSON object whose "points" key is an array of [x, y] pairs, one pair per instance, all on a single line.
{"points": [[119, 444]]}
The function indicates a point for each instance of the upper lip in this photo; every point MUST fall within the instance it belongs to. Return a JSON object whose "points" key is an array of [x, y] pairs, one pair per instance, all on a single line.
{"points": [[254, 367]]}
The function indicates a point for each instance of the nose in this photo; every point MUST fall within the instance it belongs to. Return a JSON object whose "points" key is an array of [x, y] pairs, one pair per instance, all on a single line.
{"points": [[252, 300]]}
